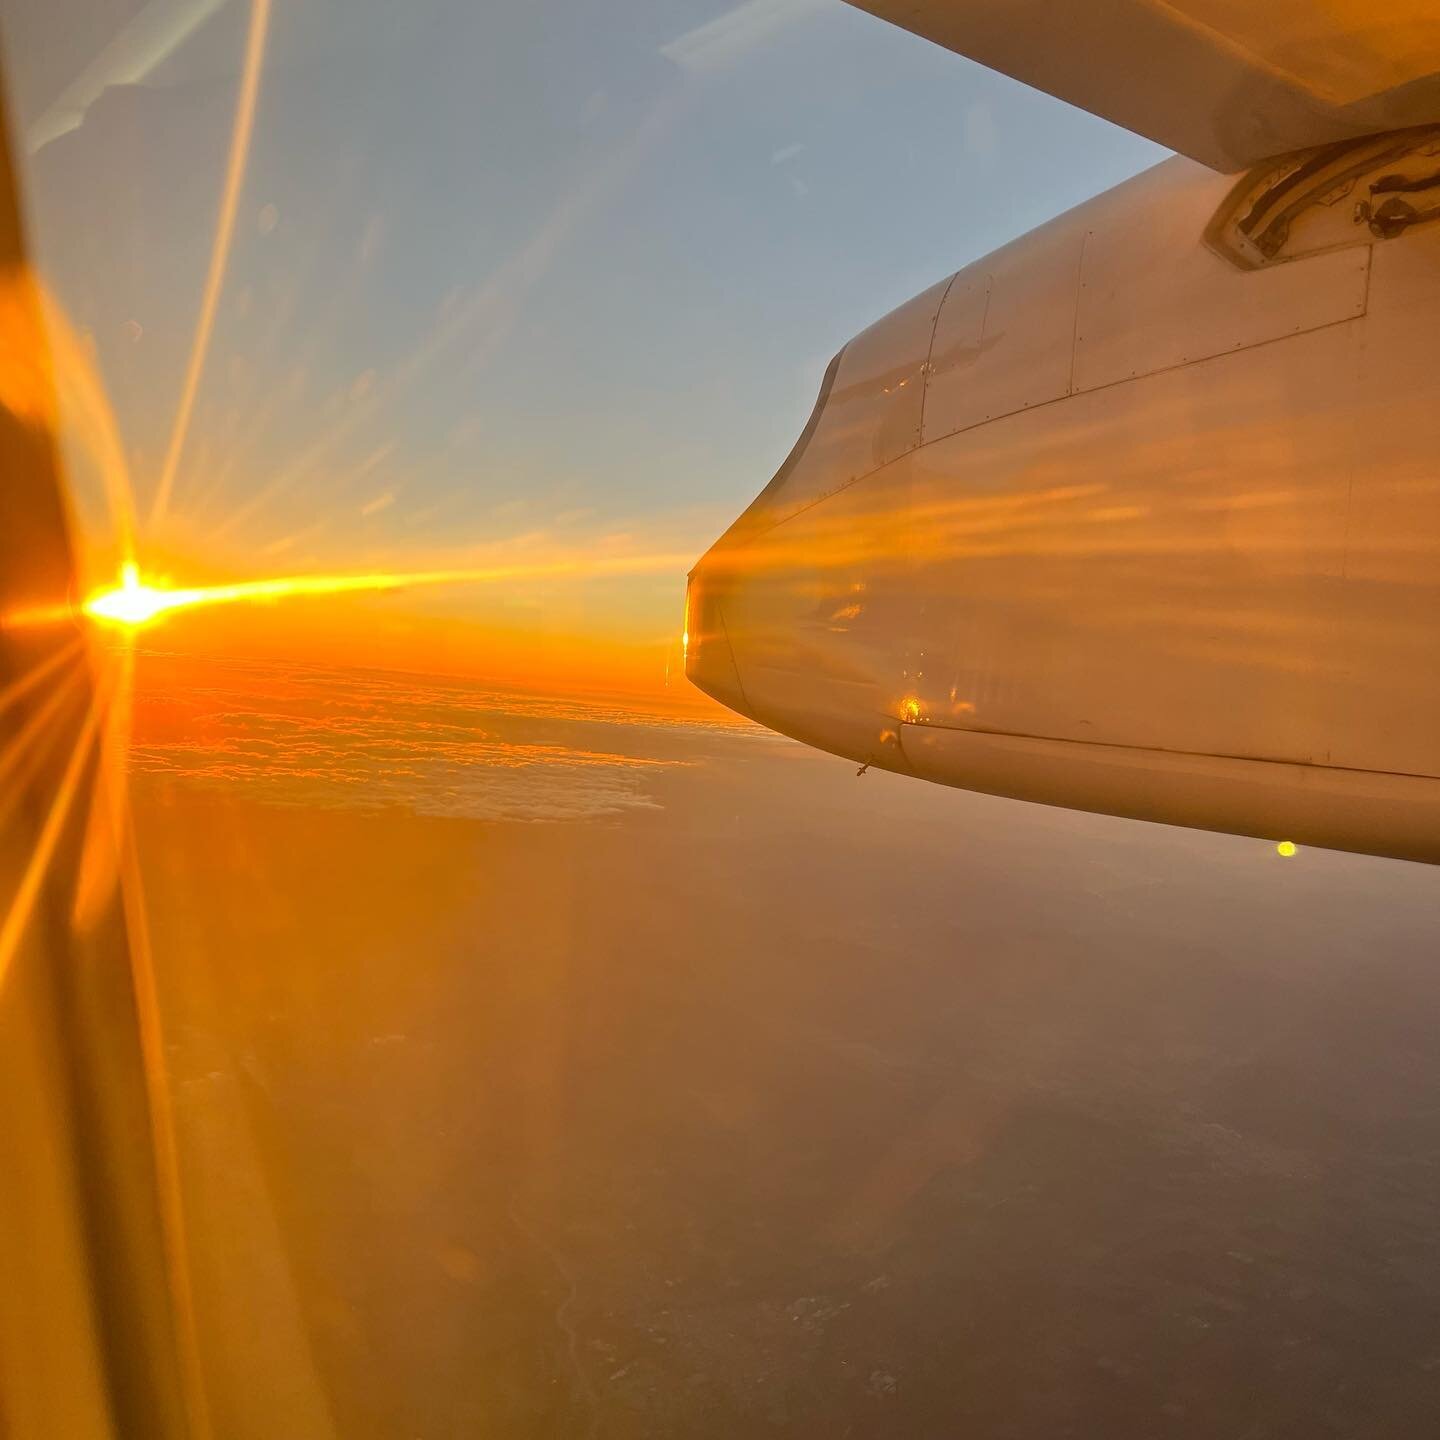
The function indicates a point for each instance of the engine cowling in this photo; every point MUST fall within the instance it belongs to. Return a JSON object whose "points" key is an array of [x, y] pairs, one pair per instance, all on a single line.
{"points": [[1107, 520]]}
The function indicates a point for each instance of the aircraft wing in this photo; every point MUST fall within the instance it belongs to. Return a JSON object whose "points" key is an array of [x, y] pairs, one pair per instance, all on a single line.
{"points": [[1226, 82]]}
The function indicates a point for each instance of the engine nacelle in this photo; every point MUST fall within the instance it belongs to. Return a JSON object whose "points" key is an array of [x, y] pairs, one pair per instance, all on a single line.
{"points": [[1109, 520]]}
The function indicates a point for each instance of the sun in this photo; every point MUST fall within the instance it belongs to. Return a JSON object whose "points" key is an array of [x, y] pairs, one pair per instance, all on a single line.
{"points": [[131, 603]]}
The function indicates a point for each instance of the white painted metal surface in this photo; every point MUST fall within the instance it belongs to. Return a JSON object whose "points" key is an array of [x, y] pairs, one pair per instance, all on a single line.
{"points": [[1151, 298], [1003, 339], [872, 411], [1199, 581]]}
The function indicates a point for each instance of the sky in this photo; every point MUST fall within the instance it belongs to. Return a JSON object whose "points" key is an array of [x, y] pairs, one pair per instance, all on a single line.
{"points": [[507, 284]]}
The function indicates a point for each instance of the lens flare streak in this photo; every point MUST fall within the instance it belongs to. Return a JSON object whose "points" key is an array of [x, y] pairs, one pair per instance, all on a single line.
{"points": [[220, 251], [26, 747], [33, 677], [17, 917], [135, 602]]}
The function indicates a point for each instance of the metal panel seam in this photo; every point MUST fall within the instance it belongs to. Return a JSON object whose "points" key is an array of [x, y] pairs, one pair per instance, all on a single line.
{"points": [[930, 355], [1163, 750], [1045, 404]]}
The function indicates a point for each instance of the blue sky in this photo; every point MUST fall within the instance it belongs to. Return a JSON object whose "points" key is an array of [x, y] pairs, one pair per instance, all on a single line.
{"points": [[517, 276]]}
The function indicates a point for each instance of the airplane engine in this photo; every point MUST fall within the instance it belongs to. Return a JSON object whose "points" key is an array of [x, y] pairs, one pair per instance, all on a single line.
{"points": [[1139, 515]]}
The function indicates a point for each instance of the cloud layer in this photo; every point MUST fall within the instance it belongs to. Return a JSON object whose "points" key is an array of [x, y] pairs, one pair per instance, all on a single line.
{"points": [[375, 740]]}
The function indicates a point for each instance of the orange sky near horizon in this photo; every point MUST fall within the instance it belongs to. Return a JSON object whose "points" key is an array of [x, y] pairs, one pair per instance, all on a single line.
{"points": [[379, 631]]}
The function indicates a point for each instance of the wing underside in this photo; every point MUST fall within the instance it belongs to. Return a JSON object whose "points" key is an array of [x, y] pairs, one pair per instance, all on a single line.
{"points": [[1226, 82]]}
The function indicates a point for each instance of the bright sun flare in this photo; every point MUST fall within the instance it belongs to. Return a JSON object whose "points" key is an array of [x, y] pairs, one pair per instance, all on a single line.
{"points": [[131, 602], [134, 602]]}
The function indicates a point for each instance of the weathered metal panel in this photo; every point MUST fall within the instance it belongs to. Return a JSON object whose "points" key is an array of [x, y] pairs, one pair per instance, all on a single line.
{"points": [[1003, 339], [871, 414], [1152, 295]]}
